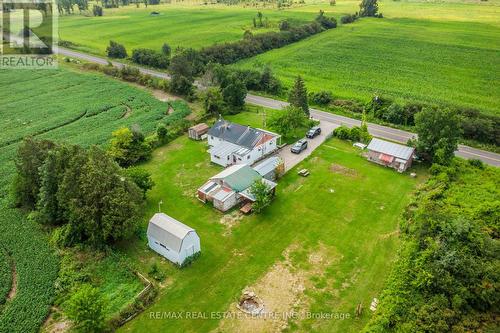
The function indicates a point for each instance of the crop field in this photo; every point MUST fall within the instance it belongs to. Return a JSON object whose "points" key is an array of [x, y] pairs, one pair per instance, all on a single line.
{"points": [[184, 26], [5, 276], [64, 106], [446, 52], [354, 236]]}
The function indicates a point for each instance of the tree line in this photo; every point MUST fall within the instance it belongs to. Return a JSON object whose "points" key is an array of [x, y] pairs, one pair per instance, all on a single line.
{"points": [[82, 192]]}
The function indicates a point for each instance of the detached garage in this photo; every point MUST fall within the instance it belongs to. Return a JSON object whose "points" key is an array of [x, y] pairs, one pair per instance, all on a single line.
{"points": [[172, 239]]}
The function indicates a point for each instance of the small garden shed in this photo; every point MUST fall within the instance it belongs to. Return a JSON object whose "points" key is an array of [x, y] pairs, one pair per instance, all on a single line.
{"points": [[172, 239], [198, 131]]}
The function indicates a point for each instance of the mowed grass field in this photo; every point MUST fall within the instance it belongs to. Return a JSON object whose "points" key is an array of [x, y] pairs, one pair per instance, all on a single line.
{"points": [[347, 211], [445, 52], [178, 25], [63, 106]]}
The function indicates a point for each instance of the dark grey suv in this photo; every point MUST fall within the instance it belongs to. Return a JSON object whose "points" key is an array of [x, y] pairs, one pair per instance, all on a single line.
{"points": [[313, 132], [299, 146]]}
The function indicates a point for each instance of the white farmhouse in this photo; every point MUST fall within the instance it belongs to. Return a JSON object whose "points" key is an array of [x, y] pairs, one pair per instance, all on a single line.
{"points": [[232, 143], [172, 239]]}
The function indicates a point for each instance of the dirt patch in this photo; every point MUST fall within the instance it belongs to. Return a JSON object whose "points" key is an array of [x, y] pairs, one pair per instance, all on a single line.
{"points": [[279, 294], [170, 109], [340, 169], [231, 220], [127, 112], [56, 323], [389, 235], [13, 290], [251, 304]]}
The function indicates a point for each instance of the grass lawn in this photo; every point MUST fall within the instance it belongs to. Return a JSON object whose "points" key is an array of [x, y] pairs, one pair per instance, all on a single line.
{"points": [[177, 25], [347, 205], [443, 52]]}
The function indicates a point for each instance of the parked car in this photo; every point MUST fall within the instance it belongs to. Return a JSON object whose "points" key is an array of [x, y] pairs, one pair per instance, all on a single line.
{"points": [[299, 146], [313, 132]]}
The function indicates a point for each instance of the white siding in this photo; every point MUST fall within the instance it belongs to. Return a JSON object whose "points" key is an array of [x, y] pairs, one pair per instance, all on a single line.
{"points": [[168, 253], [227, 204], [223, 160], [190, 245]]}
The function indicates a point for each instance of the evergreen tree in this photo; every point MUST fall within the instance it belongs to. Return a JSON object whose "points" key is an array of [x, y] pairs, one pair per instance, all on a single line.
{"points": [[298, 95], [368, 8], [234, 94], [31, 155], [166, 50]]}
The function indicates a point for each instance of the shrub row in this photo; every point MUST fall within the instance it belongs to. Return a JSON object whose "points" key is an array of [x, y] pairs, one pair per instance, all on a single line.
{"points": [[130, 74], [150, 57], [475, 125], [349, 18], [355, 134], [229, 53]]}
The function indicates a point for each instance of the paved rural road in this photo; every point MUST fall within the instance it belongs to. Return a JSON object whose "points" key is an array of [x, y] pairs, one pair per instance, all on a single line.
{"points": [[374, 129]]}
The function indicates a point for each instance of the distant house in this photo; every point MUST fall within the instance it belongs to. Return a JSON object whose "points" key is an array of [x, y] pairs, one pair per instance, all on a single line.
{"points": [[231, 187], [171, 238], [390, 154], [198, 131], [232, 143]]}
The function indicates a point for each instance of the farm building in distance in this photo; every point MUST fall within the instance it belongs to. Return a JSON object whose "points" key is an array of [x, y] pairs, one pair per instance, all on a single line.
{"points": [[197, 132], [172, 239], [232, 143], [231, 187], [390, 154]]}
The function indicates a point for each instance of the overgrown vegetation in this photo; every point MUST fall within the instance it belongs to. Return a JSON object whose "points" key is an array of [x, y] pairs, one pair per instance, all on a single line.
{"points": [[446, 278]]}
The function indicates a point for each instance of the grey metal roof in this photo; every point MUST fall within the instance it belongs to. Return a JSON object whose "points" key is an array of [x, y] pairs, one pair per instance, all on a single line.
{"points": [[168, 231], [245, 136], [267, 165], [222, 194], [224, 149], [390, 148]]}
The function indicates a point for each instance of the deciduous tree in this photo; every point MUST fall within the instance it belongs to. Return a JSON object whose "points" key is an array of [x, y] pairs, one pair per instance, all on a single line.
{"points": [[438, 134], [86, 309]]}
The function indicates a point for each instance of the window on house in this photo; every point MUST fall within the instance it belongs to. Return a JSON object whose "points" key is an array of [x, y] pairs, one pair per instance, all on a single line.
{"points": [[211, 137], [248, 157]]}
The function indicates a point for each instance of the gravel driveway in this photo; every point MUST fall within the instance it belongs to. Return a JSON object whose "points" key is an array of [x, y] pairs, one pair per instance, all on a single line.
{"points": [[292, 159]]}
